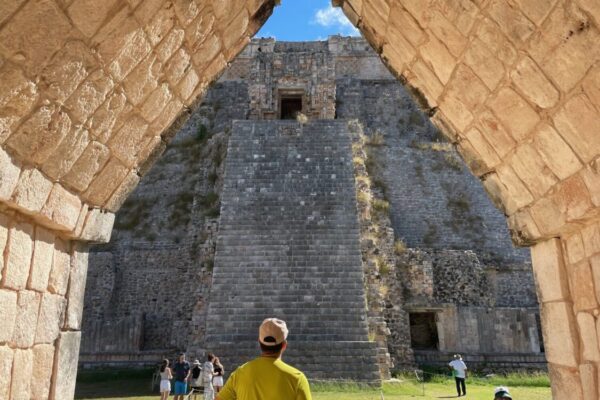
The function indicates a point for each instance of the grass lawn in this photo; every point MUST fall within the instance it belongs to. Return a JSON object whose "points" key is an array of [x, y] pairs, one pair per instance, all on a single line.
{"points": [[135, 385]]}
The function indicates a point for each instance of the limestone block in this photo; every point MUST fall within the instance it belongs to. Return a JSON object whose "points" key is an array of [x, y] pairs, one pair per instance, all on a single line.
{"points": [[63, 378], [79, 267], [4, 226], [532, 170], [20, 387], [43, 254], [153, 150], [573, 198], [177, 66], [17, 98], [160, 24], [8, 311], [199, 30], [41, 374], [591, 239], [105, 121], [486, 152], [122, 192], [589, 340], [560, 338], [566, 382], [515, 113], [89, 95], [76, 233], [65, 155], [235, 31], [410, 28], [595, 265], [518, 195], [167, 116], [555, 152], [157, 101], [487, 31], [143, 79], [574, 247], [399, 54], [59, 275], [106, 182], [581, 285], [9, 175], [18, 262], [125, 143], [88, 15], [464, 92], [147, 10], [51, 318], [207, 51], [38, 137], [591, 84], [591, 177], [32, 190], [446, 32], [439, 59], [6, 361], [425, 80], [62, 208], [171, 43], [577, 122], [67, 69], [511, 20], [94, 157], [35, 33], [28, 307], [494, 132], [531, 81], [485, 64], [186, 11], [98, 226], [549, 271], [588, 375], [523, 229], [548, 216], [187, 84]]}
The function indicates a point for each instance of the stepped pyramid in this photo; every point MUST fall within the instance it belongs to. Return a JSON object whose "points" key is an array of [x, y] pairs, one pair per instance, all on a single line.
{"points": [[288, 247]]}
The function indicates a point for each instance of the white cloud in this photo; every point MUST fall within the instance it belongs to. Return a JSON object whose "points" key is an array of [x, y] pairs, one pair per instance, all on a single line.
{"points": [[334, 18]]}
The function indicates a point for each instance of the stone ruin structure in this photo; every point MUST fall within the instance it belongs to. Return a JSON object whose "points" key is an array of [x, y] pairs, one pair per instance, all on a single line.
{"points": [[251, 213], [91, 93]]}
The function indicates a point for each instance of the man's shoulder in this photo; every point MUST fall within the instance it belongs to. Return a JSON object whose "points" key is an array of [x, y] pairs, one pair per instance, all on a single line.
{"points": [[291, 370]]}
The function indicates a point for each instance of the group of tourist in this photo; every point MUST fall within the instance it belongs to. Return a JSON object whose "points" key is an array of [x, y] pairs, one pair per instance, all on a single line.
{"points": [[207, 377], [459, 371]]}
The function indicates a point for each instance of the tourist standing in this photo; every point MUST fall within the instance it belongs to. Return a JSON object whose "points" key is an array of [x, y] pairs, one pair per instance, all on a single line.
{"points": [[182, 374], [219, 371], [459, 370], [208, 372], [267, 377], [165, 380], [196, 378], [501, 393]]}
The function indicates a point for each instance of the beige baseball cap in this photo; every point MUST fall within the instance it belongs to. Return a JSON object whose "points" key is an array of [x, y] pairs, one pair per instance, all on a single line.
{"points": [[272, 328]]}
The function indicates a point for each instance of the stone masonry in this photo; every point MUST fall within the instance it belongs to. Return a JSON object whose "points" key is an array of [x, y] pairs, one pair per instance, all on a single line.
{"points": [[90, 90]]}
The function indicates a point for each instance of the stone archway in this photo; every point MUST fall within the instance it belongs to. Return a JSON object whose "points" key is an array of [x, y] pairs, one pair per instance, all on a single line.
{"points": [[91, 92]]}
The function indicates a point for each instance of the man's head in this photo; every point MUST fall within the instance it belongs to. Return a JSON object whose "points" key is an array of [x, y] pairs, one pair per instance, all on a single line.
{"points": [[272, 336], [501, 393], [181, 357], [457, 357], [210, 357]]}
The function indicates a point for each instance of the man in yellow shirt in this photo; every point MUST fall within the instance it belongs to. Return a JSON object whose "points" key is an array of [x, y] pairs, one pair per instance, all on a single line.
{"points": [[267, 377]]}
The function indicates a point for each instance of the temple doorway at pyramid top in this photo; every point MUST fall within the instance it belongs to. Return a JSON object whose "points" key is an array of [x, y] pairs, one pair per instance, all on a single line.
{"points": [[91, 92]]}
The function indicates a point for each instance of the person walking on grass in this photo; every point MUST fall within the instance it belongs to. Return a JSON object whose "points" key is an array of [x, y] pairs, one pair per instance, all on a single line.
{"points": [[267, 377], [165, 380], [219, 371], [208, 373], [182, 374], [459, 371]]}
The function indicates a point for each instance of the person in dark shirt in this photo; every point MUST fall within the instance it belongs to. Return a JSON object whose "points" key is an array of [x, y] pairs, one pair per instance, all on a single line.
{"points": [[181, 370]]}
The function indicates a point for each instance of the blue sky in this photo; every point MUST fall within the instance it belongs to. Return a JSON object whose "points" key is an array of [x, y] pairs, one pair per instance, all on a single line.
{"points": [[301, 20]]}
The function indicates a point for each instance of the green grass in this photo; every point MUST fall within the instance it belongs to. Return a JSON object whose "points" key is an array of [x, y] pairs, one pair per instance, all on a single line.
{"points": [[135, 385]]}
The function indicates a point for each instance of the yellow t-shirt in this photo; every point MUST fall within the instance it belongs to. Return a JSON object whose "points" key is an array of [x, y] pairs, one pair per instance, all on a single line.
{"points": [[266, 378]]}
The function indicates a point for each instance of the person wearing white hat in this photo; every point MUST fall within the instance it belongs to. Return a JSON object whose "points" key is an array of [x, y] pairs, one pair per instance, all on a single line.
{"points": [[459, 370], [501, 393], [267, 377]]}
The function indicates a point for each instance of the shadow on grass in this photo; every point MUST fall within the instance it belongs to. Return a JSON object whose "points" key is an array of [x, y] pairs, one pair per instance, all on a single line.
{"points": [[114, 383]]}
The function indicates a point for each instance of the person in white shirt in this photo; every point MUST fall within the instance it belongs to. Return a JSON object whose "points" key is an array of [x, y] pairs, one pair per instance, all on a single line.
{"points": [[459, 370]]}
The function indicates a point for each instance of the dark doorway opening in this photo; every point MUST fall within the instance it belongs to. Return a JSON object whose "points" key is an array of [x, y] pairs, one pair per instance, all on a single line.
{"points": [[291, 106], [423, 331]]}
